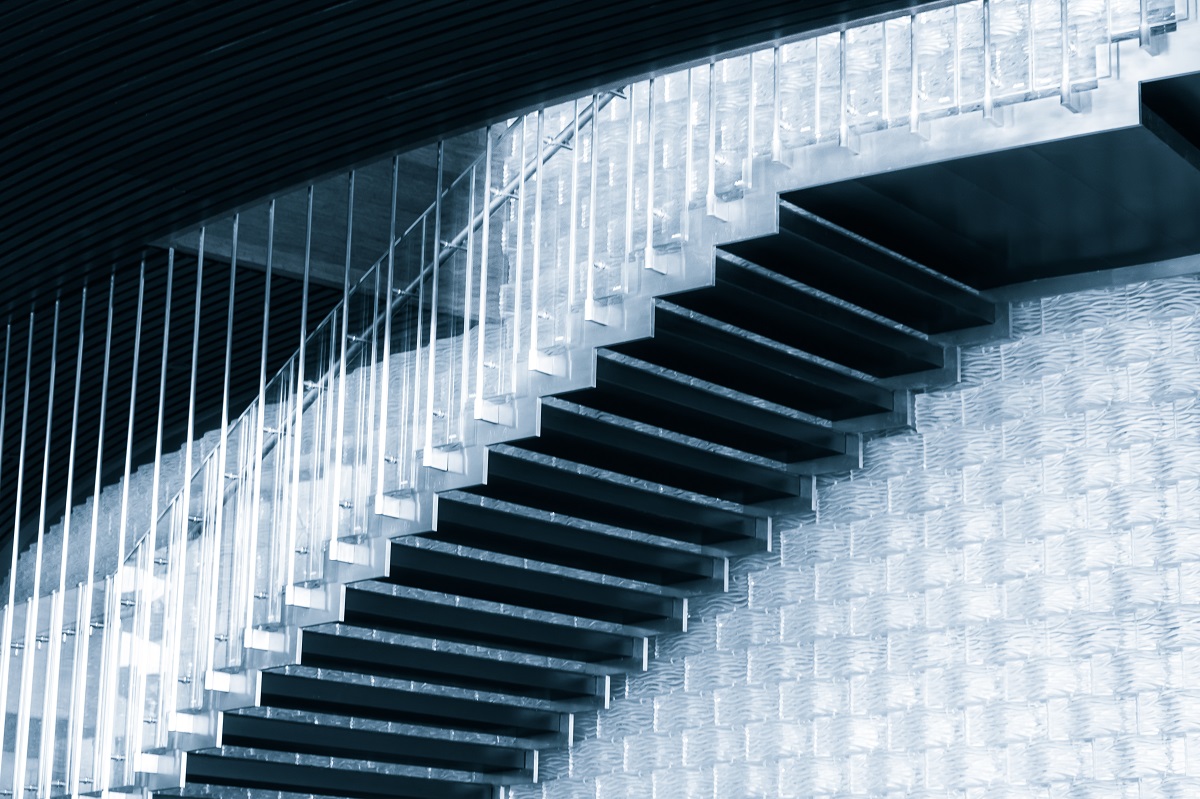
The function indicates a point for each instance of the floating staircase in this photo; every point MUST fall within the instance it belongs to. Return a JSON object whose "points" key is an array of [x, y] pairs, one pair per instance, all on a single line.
{"points": [[538, 587]]}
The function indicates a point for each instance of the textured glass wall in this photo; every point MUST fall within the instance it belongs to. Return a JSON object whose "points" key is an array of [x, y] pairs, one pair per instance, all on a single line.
{"points": [[1005, 602]]}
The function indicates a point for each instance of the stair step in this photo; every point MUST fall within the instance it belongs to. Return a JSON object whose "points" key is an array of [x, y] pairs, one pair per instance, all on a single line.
{"points": [[481, 523], [411, 615], [771, 305], [620, 444], [702, 347], [400, 659], [832, 260], [561, 486], [631, 387], [251, 772], [498, 582], [307, 737], [411, 706]]}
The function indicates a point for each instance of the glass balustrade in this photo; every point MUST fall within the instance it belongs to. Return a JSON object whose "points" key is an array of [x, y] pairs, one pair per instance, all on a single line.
{"points": [[553, 242]]}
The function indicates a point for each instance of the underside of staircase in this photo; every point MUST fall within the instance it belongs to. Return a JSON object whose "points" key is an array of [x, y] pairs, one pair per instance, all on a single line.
{"points": [[536, 590]]}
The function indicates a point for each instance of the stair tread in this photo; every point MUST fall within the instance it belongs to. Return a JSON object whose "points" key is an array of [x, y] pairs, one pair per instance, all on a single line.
{"points": [[306, 737], [767, 303], [424, 568], [504, 630], [519, 531]]}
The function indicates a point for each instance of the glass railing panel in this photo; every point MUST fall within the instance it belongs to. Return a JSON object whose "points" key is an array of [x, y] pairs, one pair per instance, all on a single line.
{"points": [[551, 263], [356, 421], [829, 119], [42, 702], [10, 778], [502, 169], [85, 752], [897, 83], [935, 47], [1047, 65], [402, 334], [669, 156], [1011, 37], [450, 283], [798, 94], [270, 484], [730, 137], [865, 53], [971, 56], [762, 118], [613, 196], [56, 735], [198, 572], [1087, 44]]}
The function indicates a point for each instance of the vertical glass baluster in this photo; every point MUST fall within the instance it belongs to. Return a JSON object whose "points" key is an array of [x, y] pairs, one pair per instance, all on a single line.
{"points": [[491, 257], [897, 44], [153, 565], [388, 449], [340, 501], [610, 140], [1047, 47], [1085, 26], [113, 699], [669, 157], [12, 770], [37, 622], [549, 324], [762, 120], [865, 81], [435, 412], [637, 187], [971, 68], [419, 247], [299, 513], [254, 459], [829, 87], [936, 62], [731, 127], [404, 345], [85, 687], [451, 284], [515, 286], [56, 718], [797, 94], [8, 654], [1010, 38], [577, 214], [472, 344], [225, 516]]}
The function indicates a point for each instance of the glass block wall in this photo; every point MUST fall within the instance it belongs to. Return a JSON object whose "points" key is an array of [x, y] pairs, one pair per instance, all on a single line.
{"points": [[1004, 602]]}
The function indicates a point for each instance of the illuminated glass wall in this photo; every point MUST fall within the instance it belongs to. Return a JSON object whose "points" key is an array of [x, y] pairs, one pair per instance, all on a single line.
{"points": [[1004, 602]]}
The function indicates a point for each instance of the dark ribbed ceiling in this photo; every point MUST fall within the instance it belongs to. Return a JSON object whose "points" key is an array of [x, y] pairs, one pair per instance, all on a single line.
{"points": [[124, 120]]}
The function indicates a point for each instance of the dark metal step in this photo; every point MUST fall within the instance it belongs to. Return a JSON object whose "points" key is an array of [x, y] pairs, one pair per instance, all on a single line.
{"points": [[404, 614], [705, 348], [561, 486], [814, 252], [411, 706], [222, 769], [288, 735], [633, 388], [766, 303], [352, 653], [497, 582], [619, 444], [481, 523]]}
